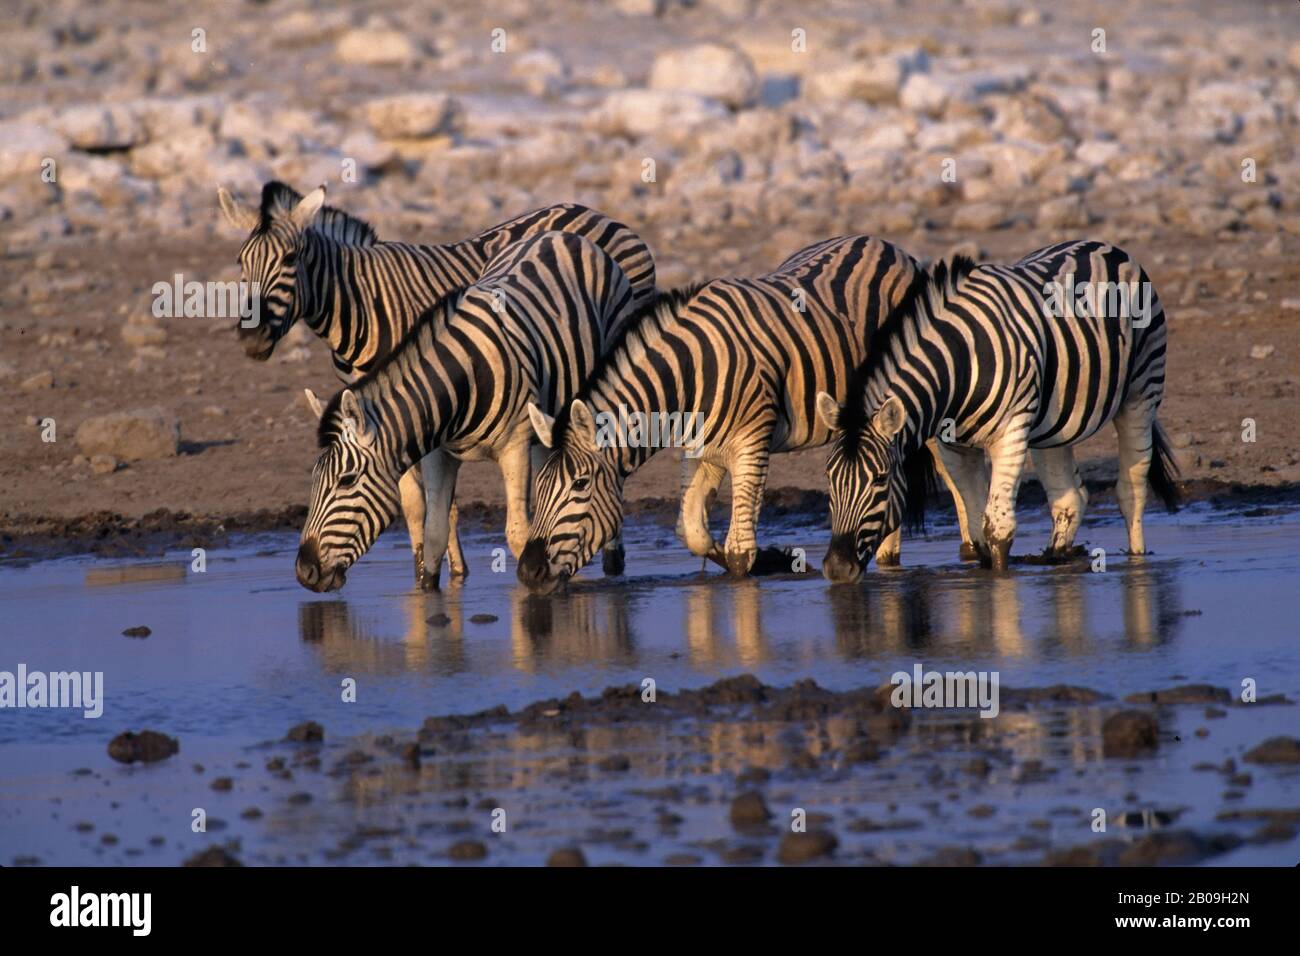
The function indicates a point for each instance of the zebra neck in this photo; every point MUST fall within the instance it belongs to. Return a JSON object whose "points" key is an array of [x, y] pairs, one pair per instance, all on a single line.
{"points": [[630, 429], [922, 384], [408, 401]]}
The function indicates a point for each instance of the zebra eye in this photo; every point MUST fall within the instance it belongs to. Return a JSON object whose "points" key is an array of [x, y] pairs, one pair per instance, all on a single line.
{"points": [[349, 479], [581, 483]]}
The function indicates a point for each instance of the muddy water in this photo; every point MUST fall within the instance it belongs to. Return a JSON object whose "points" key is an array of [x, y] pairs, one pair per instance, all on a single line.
{"points": [[239, 653]]}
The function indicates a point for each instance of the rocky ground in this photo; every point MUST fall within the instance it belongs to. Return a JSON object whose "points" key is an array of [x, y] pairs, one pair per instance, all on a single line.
{"points": [[730, 132]]}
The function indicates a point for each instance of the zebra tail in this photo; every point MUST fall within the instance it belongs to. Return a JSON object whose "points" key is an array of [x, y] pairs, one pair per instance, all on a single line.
{"points": [[922, 482], [1164, 470]]}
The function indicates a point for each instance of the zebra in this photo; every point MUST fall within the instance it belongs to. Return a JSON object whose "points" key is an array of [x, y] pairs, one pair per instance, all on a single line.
{"points": [[747, 358], [363, 295], [530, 329], [1004, 359]]}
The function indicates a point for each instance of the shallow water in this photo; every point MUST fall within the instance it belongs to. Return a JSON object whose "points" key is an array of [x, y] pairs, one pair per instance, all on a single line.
{"points": [[239, 653]]}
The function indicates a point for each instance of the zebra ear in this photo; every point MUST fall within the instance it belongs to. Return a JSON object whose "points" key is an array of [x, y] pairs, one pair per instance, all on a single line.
{"points": [[236, 213], [580, 418], [542, 424], [354, 419], [315, 404], [303, 213], [889, 418], [828, 410]]}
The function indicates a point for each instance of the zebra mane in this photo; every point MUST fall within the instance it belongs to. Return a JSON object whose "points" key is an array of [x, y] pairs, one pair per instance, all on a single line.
{"points": [[939, 279], [665, 304], [330, 425], [334, 224]]}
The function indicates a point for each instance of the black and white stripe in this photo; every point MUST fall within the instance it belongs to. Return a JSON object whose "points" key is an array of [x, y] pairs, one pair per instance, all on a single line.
{"points": [[749, 357], [318, 264], [974, 351], [529, 330]]}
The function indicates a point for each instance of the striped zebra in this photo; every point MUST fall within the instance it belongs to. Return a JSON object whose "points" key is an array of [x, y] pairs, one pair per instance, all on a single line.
{"points": [[1033, 356], [362, 295], [747, 358], [529, 330]]}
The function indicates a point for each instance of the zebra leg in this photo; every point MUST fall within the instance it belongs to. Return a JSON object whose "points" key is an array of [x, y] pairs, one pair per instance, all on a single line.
{"points": [[1133, 425], [439, 471], [748, 482], [1008, 454], [613, 559], [1060, 477], [411, 493], [513, 461], [968, 480], [693, 518]]}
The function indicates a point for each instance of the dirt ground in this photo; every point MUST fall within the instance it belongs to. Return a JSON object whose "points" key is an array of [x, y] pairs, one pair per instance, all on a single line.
{"points": [[247, 437]]}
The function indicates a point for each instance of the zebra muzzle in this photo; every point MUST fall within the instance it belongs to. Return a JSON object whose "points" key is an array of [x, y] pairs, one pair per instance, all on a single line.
{"points": [[841, 565], [534, 571], [310, 573]]}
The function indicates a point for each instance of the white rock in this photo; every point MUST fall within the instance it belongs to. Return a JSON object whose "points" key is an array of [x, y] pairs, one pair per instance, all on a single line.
{"points": [[923, 93], [1067, 212], [1097, 152], [100, 127], [38, 382], [376, 47], [875, 81], [707, 69], [1261, 351], [24, 147], [131, 436], [413, 115], [665, 113]]}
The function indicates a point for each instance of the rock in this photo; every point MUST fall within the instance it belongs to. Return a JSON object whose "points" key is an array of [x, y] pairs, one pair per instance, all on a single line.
{"points": [[140, 631], [707, 69], [1067, 212], [1176, 848], [876, 82], [668, 113], [467, 850], [38, 382], [483, 618], [213, 856], [131, 436], [413, 115], [542, 71], [1129, 733], [926, 94], [1285, 750], [979, 217], [148, 746], [439, 620], [616, 763], [223, 784], [26, 147], [805, 847], [308, 732], [1261, 351], [566, 856], [138, 332], [100, 127], [749, 810], [641, 8], [376, 47]]}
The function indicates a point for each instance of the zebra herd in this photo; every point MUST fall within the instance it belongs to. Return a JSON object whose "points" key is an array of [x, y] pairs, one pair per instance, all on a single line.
{"points": [[517, 344]]}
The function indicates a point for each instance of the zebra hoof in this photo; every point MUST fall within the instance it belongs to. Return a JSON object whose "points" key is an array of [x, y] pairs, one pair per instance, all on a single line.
{"points": [[428, 582], [999, 555], [969, 552], [892, 560], [739, 562], [612, 561]]}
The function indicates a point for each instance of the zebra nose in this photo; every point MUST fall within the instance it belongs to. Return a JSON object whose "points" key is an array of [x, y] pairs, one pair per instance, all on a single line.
{"points": [[841, 565], [534, 568], [308, 565]]}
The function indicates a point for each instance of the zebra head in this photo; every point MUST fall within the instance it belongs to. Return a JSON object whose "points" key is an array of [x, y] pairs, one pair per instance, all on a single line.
{"points": [[867, 488], [577, 500], [354, 494], [269, 260]]}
